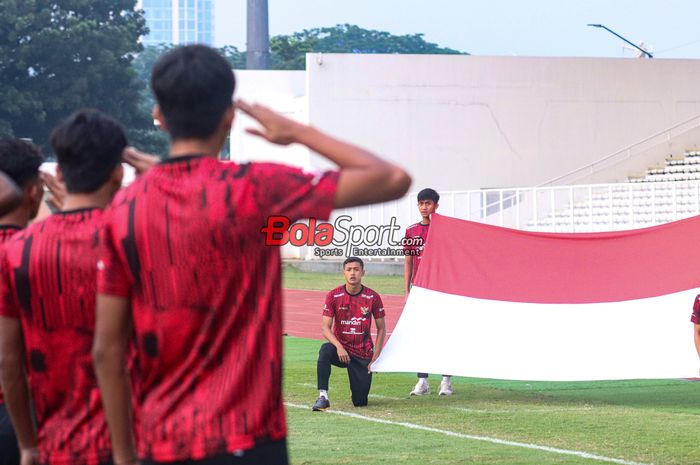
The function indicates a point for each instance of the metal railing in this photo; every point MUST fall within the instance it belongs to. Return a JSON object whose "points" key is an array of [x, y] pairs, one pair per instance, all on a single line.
{"points": [[626, 152]]}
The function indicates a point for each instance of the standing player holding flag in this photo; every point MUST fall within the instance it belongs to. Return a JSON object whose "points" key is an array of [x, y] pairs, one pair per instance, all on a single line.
{"points": [[418, 234]]}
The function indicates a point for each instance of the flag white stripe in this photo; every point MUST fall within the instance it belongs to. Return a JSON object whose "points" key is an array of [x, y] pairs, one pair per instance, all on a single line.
{"points": [[636, 339]]}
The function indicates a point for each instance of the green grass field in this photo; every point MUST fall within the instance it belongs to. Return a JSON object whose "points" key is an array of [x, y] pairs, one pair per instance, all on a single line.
{"points": [[295, 279], [634, 421], [627, 422]]}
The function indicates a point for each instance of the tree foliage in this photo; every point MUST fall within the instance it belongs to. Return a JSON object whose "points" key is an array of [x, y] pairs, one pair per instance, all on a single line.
{"points": [[288, 51], [57, 56]]}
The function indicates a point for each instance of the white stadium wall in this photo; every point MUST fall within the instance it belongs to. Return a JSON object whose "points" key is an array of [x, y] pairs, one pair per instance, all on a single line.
{"points": [[284, 91], [466, 122]]}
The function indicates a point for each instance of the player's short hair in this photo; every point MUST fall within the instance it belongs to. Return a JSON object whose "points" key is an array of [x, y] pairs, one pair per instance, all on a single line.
{"points": [[354, 260], [20, 161], [429, 194], [194, 86], [88, 145]]}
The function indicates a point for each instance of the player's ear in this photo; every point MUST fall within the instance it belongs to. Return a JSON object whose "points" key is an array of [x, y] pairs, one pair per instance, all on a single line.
{"points": [[158, 118], [59, 175], [227, 119], [35, 190], [117, 175]]}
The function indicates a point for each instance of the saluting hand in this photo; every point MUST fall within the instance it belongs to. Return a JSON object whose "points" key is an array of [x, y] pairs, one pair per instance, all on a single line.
{"points": [[56, 188], [141, 161], [276, 128]]}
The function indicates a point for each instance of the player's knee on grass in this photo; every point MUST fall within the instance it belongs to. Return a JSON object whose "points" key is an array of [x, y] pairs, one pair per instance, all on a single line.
{"points": [[326, 353], [359, 401]]}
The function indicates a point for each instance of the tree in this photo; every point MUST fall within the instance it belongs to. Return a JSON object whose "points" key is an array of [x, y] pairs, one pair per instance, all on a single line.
{"points": [[288, 51], [152, 139], [57, 56]]}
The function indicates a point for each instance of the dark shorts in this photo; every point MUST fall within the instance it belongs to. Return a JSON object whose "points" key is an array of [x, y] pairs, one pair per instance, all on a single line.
{"points": [[265, 453], [9, 452], [358, 373]]}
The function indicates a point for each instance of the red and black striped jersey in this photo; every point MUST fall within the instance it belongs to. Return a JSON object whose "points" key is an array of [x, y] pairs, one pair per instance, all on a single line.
{"points": [[6, 233], [49, 282], [184, 244], [415, 239], [352, 318]]}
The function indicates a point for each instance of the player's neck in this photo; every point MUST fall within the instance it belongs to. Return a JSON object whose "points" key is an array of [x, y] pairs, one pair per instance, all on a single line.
{"points": [[17, 217], [81, 201], [185, 147], [425, 221], [353, 288]]}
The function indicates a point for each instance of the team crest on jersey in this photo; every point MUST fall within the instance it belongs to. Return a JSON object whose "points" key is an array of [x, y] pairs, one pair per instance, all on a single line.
{"points": [[365, 310]]}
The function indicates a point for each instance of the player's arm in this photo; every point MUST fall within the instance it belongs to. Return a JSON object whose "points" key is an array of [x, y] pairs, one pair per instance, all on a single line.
{"points": [[109, 352], [327, 330], [696, 334], [407, 274], [10, 194], [381, 337], [364, 177], [15, 387]]}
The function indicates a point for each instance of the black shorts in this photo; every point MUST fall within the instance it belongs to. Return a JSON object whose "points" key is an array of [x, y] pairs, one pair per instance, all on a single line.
{"points": [[9, 452], [358, 373], [265, 453]]}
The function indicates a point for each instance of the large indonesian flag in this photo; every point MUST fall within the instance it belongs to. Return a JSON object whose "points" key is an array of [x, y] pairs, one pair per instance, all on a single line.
{"points": [[501, 303]]}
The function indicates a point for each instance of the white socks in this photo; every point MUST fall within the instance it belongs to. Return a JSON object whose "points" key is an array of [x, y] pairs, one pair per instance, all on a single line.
{"points": [[446, 379], [323, 393]]}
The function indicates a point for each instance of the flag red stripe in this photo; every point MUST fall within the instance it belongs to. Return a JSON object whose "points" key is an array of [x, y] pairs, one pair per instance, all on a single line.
{"points": [[489, 262]]}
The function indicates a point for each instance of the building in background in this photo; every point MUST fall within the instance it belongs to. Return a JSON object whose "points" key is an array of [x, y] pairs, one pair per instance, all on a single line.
{"points": [[178, 21]]}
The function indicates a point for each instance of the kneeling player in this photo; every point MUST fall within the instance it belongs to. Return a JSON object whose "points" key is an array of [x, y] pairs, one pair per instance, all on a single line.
{"points": [[351, 306]]}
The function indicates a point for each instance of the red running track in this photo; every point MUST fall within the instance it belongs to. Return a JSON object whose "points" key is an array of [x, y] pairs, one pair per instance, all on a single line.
{"points": [[303, 309]]}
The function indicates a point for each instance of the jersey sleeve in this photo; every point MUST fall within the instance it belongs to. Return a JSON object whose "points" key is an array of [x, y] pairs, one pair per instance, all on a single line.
{"points": [[295, 193], [329, 306], [407, 243], [695, 317], [377, 307], [112, 276], [8, 303]]}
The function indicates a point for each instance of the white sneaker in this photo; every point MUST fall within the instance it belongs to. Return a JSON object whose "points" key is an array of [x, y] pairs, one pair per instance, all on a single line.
{"points": [[445, 388], [422, 388]]}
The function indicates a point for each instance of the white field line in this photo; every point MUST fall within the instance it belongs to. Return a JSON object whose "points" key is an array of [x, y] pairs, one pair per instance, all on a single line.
{"points": [[491, 440], [524, 410]]}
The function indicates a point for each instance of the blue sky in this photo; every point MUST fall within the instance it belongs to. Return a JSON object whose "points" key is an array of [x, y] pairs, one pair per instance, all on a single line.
{"points": [[495, 27]]}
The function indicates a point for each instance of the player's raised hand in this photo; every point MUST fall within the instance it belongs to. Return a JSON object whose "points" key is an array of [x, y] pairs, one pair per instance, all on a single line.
{"points": [[276, 128], [56, 188], [140, 161]]}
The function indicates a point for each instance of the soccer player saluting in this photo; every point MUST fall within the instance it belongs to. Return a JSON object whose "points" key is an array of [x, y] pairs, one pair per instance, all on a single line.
{"points": [[47, 298], [20, 162], [351, 307], [185, 261], [416, 237]]}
